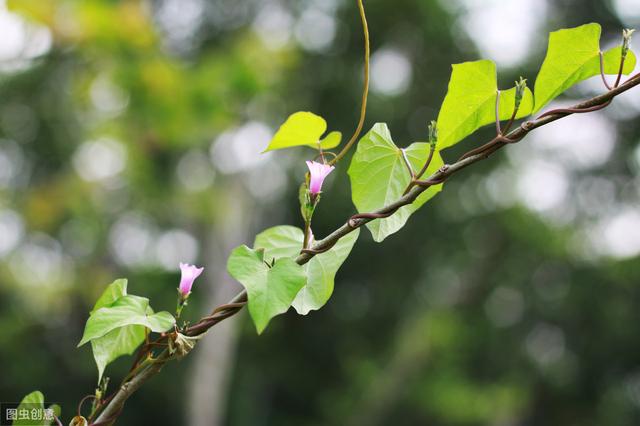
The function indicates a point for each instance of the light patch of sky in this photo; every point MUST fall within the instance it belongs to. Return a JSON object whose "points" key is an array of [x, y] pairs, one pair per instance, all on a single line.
{"points": [[628, 11], [268, 182], [542, 185], [551, 180], [175, 246], [315, 30], [240, 149], [21, 41], [390, 71], [99, 160], [180, 20], [40, 262], [11, 230], [503, 30], [618, 235], [107, 97], [273, 25], [11, 162], [580, 142], [194, 171], [136, 242], [131, 240]]}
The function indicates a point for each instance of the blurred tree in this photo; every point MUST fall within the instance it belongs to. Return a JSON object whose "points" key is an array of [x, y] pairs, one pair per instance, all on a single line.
{"points": [[129, 141]]}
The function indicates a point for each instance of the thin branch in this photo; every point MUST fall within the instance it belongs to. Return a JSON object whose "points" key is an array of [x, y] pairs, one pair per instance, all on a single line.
{"points": [[115, 405], [365, 90], [415, 178], [620, 70], [111, 411], [602, 74], [407, 163], [511, 119], [498, 130], [432, 149], [444, 172]]}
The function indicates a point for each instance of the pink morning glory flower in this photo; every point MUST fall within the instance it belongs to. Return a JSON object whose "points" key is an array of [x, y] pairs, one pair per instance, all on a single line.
{"points": [[189, 275], [318, 172]]}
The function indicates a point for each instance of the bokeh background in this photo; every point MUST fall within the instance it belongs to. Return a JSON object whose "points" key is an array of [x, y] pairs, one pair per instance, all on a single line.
{"points": [[130, 139]]}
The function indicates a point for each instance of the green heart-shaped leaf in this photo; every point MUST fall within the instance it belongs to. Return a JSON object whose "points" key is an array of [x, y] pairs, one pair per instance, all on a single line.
{"points": [[304, 128], [286, 241], [470, 102], [379, 177], [573, 56], [270, 290], [31, 402], [122, 340], [125, 311]]}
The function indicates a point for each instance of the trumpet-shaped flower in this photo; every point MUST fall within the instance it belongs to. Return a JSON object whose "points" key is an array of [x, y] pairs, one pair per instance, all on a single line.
{"points": [[189, 275], [318, 172]]}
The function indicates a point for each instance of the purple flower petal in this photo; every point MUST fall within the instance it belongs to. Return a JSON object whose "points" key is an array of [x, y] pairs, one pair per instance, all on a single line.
{"points": [[318, 172], [189, 275]]}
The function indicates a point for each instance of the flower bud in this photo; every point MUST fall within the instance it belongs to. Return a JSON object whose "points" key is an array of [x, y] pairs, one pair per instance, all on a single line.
{"points": [[189, 275], [433, 133], [521, 85], [318, 172], [626, 40]]}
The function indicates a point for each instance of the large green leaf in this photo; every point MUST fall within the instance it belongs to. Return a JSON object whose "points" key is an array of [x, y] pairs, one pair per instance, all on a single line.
{"points": [[304, 128], [470, 102], [35, 401], [125, 311], [573, 56], [286, 241], [378, 177], [270, 290], [118, 342]]}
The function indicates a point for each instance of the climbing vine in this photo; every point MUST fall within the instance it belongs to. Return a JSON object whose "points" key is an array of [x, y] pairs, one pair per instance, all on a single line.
{"points": [[288, 266]]}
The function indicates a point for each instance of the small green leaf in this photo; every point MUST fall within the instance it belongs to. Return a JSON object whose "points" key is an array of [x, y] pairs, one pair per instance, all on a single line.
{"points": [[123, 340], [270, 290], [113, 292], [35, 400], [611, 61], [332, 140], [470, 102], [573, 56], [301, 128], [286, 241], [378, 177], [56, 410], [125, 311], [35, 397]]}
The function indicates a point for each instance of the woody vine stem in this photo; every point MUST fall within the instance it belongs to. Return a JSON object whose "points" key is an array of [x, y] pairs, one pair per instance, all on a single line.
{"points": [[153, 355]]}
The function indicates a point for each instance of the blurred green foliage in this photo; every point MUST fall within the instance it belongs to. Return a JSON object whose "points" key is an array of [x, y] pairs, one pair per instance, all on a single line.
{"points": [[478, 312]]}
